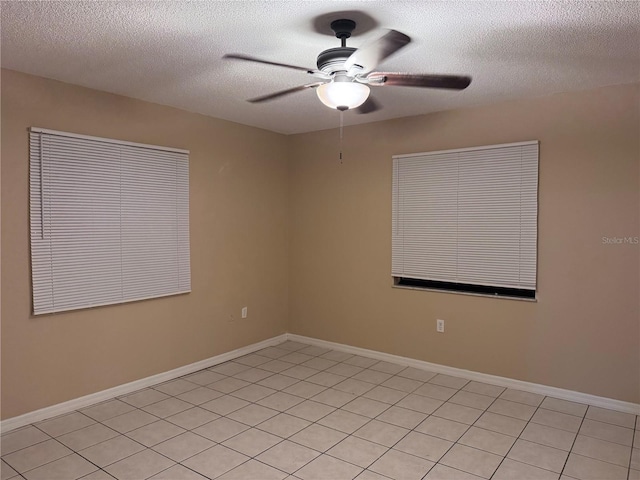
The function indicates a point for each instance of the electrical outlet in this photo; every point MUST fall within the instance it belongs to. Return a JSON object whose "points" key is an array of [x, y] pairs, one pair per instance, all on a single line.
{"points": [[440, 326], [244, 312]]}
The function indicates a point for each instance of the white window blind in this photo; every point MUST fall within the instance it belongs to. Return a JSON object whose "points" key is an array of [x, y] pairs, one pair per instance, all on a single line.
{"points": [[109, 221], [467, 216]]}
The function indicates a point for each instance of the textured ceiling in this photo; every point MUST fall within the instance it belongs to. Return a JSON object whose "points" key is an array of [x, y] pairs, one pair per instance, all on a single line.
{"points": [[170, 52]]}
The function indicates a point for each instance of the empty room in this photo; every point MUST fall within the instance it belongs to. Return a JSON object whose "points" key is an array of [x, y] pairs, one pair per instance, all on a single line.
{"points": [[320, 240]]}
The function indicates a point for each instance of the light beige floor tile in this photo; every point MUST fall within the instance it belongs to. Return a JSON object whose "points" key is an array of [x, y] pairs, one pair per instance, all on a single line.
{"points": [[563, 421], [154, 433], [192, 418], [319, 363], [336, 356], [291, 345], [334, 398], [168, 407], [402, 383], [253, 360], [228, 385], [538, 455], [288, 456], [199, 395], [253, 375], [344, 421], [284, 425], [369, 475], [280, 401], [6, 472], [442, 428], [296, 358], [299, 372], [549, 436], [634, 474], [175, 387], [442, 472], [98, 475], [419, 403], [70, 467], [399, 465], [278, 382], [472, 460], [449, 381], [436, 391], [635, 458], [328, 468], [88, 436], [140, 465], [470, 399], [229, 368], [372, 376], [585, 468], [304, 389], [518, 396], [22, 438], [512, 470], [355, 387], [385, 394], [252, 414], [417, 374], [484, 389], [36, 455], [253, 470], [318, 437], [360, 361], [344, 369], [382, 433], [357, 451], [458, 413], [203, 377], [602, 450], [636, 436], [564, 406], [607, 431], [275, 366], [177, 472], [64, 424], [183, 446], [272, 352], [315, 351], [501, 424], [487, 440], [425, 446], [111, 451], [388, 367], [143, 398], [224, 405], [402, 417], [366, 407], [130, 421], [325, 379], [221, 429], [310, 410], [512, 409], [106, 410], [252, 442], [215, 461], [610, 416]]}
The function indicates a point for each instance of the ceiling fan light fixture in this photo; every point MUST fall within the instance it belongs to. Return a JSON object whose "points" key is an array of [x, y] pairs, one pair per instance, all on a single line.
{"points": [[343, 95]]}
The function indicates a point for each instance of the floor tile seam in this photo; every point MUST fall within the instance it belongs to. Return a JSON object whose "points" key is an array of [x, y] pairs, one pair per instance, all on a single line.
{"points": [[20, 474], [351, 463], [4, 455]]}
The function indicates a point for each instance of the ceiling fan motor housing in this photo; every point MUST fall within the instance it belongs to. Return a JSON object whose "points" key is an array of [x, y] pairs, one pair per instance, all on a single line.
{"points": [[332, 60]]}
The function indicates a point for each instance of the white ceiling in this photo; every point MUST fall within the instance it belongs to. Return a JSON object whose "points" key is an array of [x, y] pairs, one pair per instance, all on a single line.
{"points": [[170, 52]]}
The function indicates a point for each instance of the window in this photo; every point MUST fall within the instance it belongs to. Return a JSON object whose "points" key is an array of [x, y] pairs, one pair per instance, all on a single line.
{"points": [[466, 220], [109, 221]]}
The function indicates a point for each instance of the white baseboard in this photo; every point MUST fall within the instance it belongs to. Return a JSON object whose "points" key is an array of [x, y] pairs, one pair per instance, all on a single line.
{"points": [[579, 397], [77, 403]]}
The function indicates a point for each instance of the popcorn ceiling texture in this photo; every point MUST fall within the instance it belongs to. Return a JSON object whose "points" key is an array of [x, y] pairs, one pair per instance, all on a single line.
{"points": [[170, 52]]}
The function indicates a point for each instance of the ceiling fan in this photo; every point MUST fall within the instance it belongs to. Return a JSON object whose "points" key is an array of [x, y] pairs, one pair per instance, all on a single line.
{"points": [[345, 73]]}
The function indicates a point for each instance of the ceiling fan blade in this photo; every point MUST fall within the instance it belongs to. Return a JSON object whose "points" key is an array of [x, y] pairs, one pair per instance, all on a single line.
{"points": [[453, 82], [247, 58], [282, 93], [369, 106], [367, 57]]}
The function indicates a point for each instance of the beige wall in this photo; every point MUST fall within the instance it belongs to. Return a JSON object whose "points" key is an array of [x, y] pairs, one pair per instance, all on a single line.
{"points": [[583, 332], [239, 216]]}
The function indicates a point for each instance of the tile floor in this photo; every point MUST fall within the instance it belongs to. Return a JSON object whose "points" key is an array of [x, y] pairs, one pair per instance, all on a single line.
{"points": [[304, 412]]}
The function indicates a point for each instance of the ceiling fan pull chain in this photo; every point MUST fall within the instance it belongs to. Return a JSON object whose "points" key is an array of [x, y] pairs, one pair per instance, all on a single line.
{"points": [[341, 127]]}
